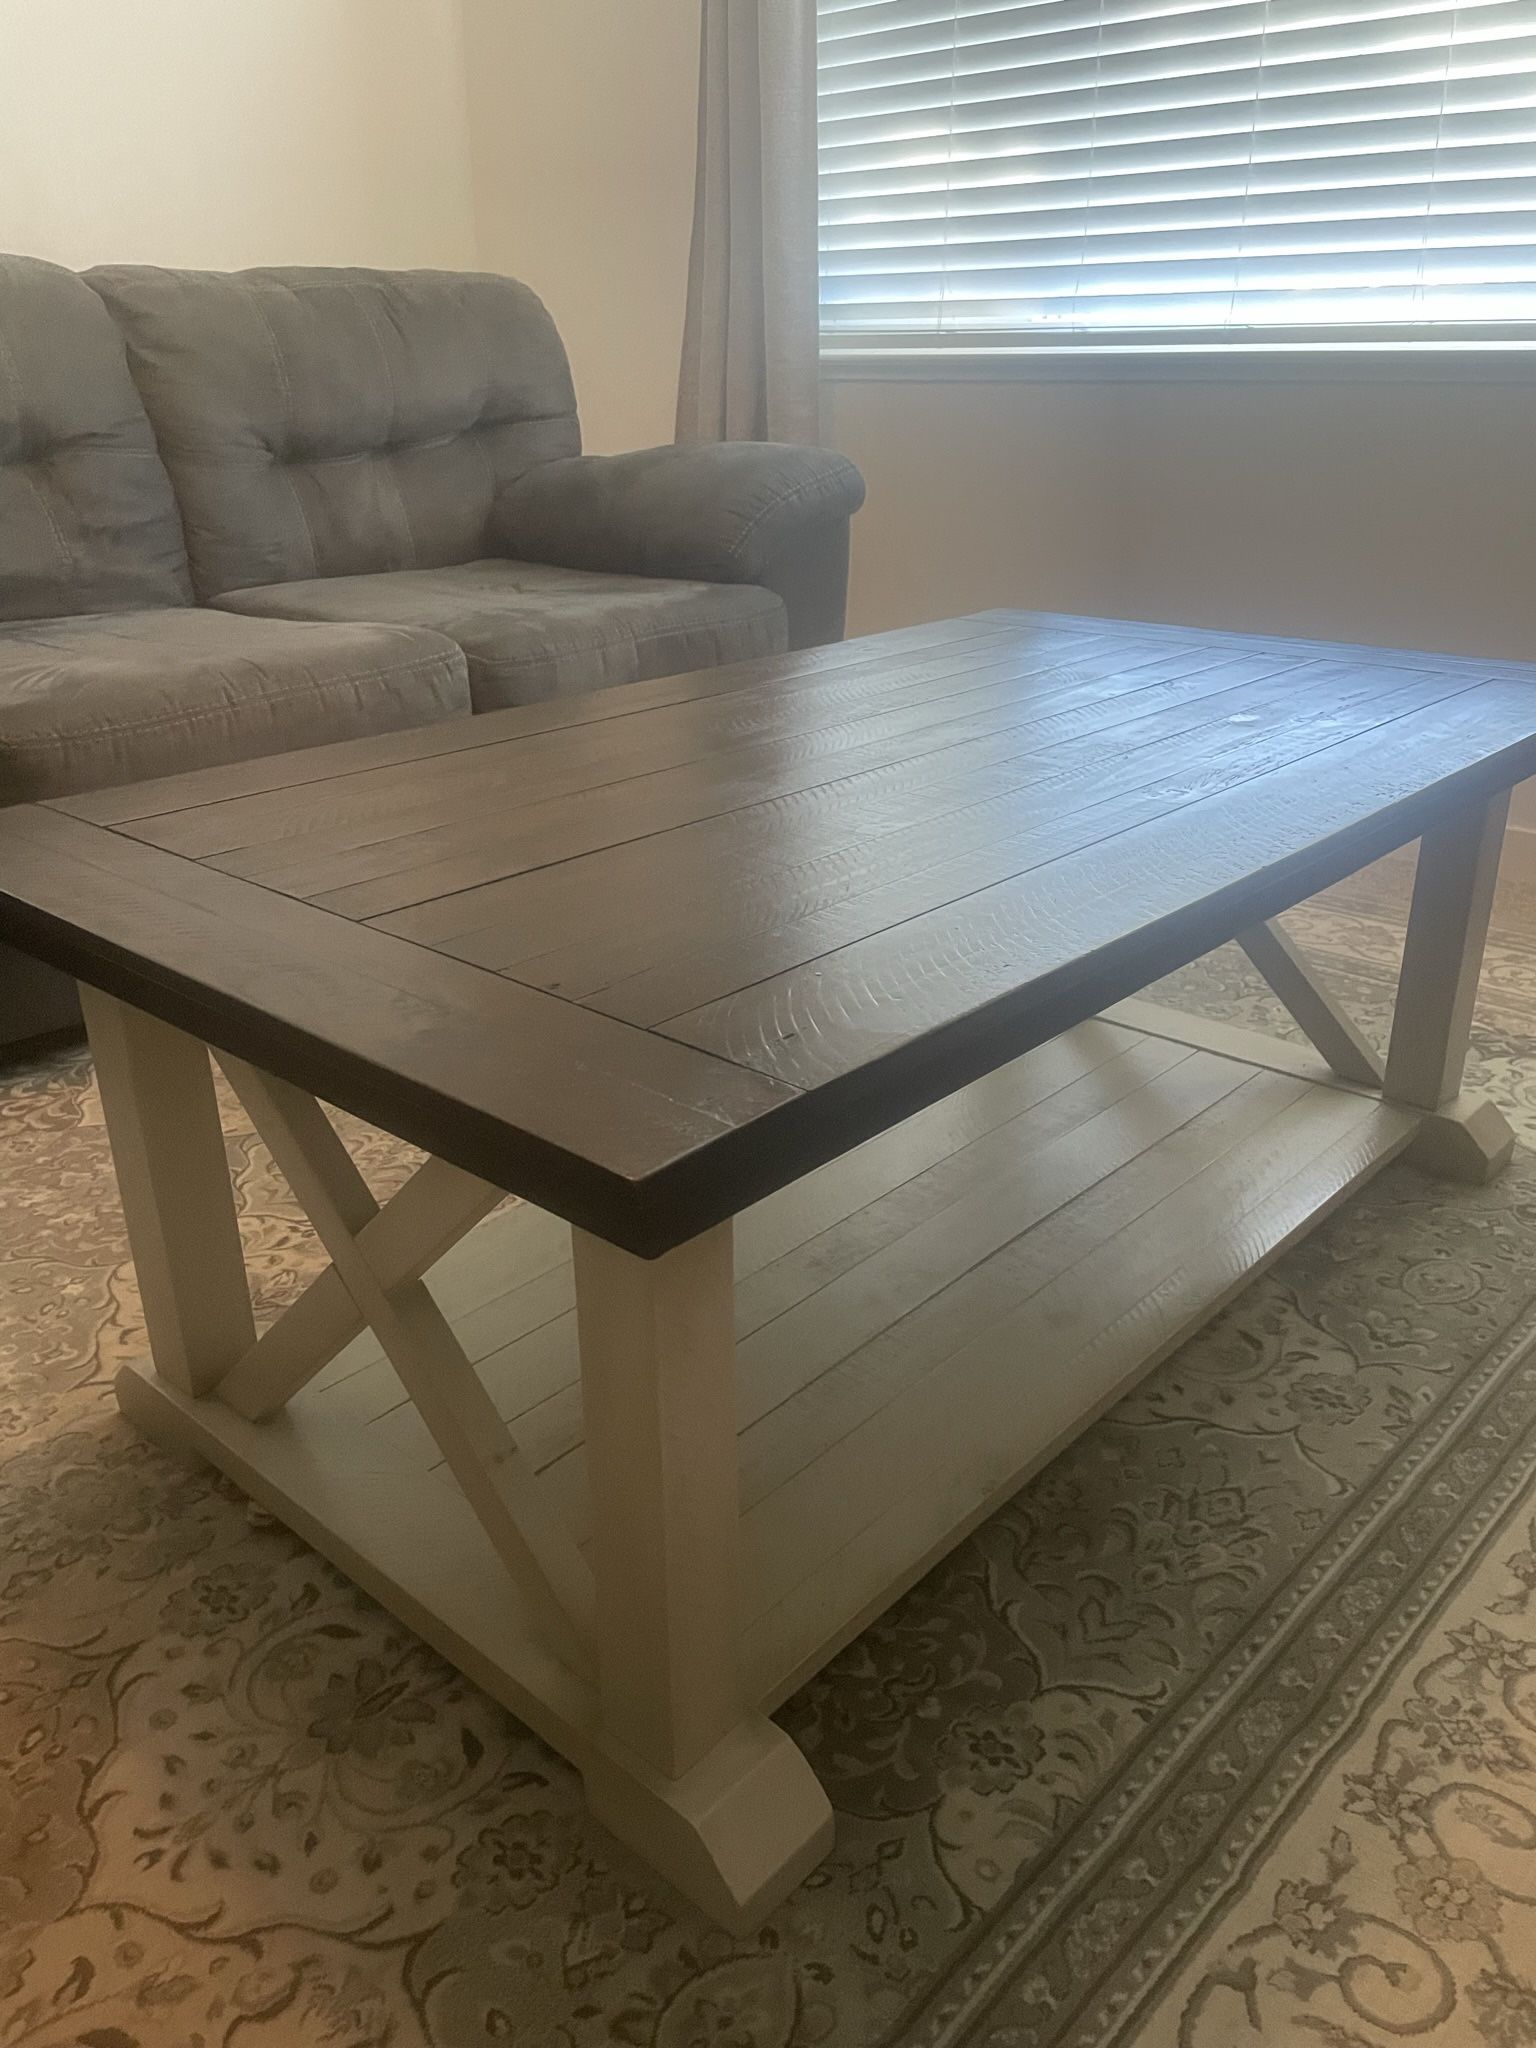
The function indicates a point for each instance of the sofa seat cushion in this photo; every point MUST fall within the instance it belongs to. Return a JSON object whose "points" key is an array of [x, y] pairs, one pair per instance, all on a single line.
{"points": [[533, 631], [118, 697]]}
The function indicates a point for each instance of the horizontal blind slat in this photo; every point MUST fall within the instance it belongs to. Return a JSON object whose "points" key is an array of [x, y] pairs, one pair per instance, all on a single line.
{"points": [[1102, 165]]}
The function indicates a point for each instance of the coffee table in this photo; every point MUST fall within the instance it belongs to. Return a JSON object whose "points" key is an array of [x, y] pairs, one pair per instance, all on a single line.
{"points": [[799, 1001]]}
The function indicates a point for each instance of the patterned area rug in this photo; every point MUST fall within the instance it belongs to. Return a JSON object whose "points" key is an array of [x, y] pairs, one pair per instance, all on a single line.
{"points": [[1224, 1731]]}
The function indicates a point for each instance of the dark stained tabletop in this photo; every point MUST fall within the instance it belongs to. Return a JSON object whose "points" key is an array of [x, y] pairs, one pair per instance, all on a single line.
{"points": [[644, 956]]}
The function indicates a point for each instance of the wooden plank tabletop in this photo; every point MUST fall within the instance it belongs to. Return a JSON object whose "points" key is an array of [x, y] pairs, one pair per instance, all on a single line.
{"points": [[646, 955]]}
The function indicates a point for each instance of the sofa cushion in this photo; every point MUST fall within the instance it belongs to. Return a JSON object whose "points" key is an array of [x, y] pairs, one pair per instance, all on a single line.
{"points": [[87, 519], [339, 422], [532, 631], [88, 702]]}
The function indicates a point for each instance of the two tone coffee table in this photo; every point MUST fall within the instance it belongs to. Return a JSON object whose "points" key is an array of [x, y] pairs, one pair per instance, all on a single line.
{"points": [[800, 1004]]}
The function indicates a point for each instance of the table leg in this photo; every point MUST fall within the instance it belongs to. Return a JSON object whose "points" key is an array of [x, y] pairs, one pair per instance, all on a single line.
{"points": [[686, 1769], [163, 1122], [1461, 1136], [682, 1763]]}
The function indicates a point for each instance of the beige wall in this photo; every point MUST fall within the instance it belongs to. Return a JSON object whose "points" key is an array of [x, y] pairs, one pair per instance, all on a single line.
{"points": [[553, 139], [978, 495], [1363, 506], [583, 124], [229, 132]]}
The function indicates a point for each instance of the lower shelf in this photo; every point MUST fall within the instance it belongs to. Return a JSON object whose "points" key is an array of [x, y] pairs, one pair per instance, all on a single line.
{"points": [[920, 1326]]}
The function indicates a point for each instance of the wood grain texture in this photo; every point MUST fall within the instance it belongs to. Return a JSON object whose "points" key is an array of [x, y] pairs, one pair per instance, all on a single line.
{"points": [[1442, 954], [885, 756], [866, 1240], [748, 856], [1330, 1027], [411, 1233], [1155, 896], [648, 956], [276, 772], [827, 1553], [890, 879], [760, 724], [984, 1279], [173, 1178], [521, 1090], [415, 1335]]}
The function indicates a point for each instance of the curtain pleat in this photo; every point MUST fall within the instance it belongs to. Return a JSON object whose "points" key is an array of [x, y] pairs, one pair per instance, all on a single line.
{"points": [[750, 346]]}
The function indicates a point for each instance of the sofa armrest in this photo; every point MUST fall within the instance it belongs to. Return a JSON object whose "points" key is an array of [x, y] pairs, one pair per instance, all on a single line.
{"points": [[721, 512]]}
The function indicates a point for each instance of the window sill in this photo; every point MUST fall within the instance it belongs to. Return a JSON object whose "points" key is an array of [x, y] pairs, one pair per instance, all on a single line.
{"points": [[1373, 362]]}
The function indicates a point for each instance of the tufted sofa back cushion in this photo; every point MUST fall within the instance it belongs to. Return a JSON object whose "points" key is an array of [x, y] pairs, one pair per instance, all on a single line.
{"points": [[87, 519], [340, 422]]}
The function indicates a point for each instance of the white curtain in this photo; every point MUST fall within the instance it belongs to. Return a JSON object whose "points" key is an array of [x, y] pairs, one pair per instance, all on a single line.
{"points": [[750, 345]]}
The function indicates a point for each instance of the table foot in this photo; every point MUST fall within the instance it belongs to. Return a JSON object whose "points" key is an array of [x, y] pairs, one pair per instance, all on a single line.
{"points": [[1468, 1139], [734, 1835]]}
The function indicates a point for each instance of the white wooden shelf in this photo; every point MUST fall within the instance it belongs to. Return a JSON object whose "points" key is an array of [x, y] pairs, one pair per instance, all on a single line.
{"points": [[920, 1326]]}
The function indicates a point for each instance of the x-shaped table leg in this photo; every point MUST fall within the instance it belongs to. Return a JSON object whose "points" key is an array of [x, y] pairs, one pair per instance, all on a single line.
{"points": [[416, 1337]]}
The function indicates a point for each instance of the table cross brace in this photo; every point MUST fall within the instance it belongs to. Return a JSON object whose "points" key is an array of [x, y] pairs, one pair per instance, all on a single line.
{"points": [[437, 1206], [501, 1487], [1293, 979]]}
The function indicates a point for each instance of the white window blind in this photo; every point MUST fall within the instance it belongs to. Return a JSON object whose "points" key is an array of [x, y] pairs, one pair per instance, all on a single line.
{"points": [[1103, 170]]}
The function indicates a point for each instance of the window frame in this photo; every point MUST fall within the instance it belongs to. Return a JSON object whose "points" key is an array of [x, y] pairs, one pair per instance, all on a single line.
{"points": [[1441, 361], [1502, 351], [1338, 355]]}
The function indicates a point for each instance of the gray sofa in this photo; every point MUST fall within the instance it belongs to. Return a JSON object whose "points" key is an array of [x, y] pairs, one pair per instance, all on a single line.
{"points": [[252, 511]]}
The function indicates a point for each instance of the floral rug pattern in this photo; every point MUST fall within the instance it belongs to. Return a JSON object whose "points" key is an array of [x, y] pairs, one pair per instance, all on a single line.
{"points": [[1223, 1731]]}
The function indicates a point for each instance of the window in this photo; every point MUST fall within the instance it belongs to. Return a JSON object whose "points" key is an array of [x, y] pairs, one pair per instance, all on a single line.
{"points": [[1109, 171]]}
